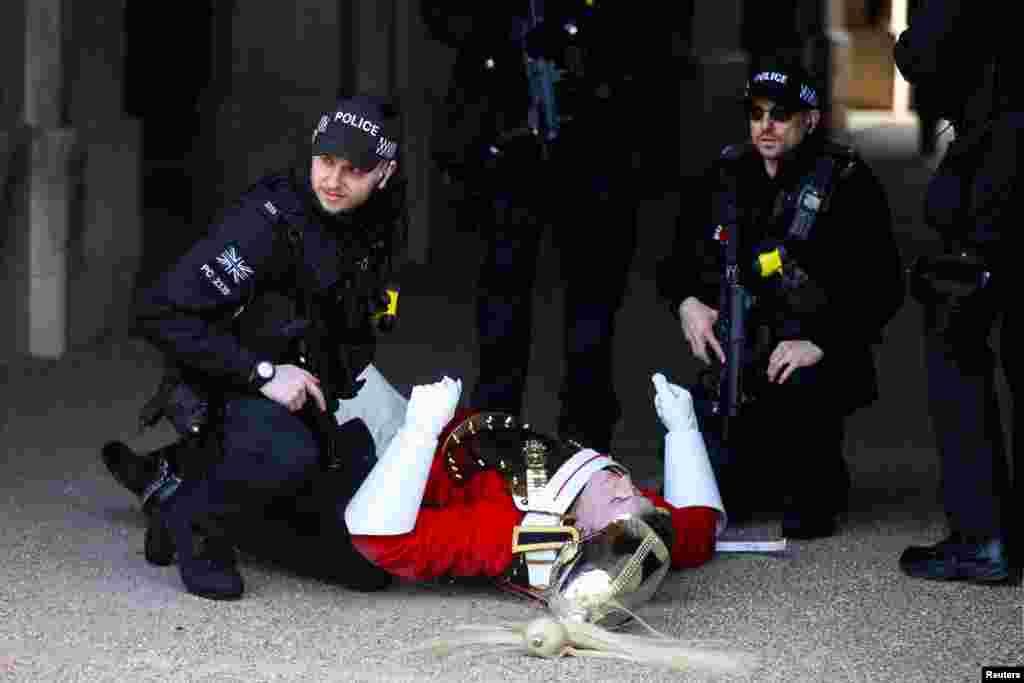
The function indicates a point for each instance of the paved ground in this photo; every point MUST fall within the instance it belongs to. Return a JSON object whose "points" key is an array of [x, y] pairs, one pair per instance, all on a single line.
{"points": [[79, 603]]}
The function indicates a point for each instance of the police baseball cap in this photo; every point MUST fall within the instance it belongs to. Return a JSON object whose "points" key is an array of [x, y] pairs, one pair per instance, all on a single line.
{"points": [[790, 86], [361, 129]]}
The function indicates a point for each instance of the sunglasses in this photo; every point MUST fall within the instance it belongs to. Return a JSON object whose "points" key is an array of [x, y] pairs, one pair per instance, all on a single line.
{"points": [[778, 113]]}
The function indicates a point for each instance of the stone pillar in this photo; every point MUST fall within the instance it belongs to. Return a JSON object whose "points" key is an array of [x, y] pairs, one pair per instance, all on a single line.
{"points": [[48, 184], [68, 175], [711, 116], [105, 243], [50, 194]]}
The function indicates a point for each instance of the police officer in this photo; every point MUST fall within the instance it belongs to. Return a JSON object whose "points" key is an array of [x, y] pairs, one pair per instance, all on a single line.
{"points": [[967, 53], [541, 120], [237, 314], [815, 251]]}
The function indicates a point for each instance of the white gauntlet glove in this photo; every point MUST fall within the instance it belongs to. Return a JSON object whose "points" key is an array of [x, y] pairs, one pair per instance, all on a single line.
{"points": [[689, 479], [431, 407], [673, 404], [388, 501]]}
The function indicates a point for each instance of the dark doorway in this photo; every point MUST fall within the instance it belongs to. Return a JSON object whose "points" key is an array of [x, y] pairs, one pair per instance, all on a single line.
{"points": [[168, 69]]}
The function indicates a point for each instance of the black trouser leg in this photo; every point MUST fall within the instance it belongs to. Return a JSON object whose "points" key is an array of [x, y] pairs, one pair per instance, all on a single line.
{"points": [[1011, 337], [801, 430], [505, 306], [306, 532], [596, 271], [965, 416]]}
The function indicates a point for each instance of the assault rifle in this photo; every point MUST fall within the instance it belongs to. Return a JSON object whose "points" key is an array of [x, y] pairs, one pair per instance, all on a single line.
{"points": [[731, 330]]}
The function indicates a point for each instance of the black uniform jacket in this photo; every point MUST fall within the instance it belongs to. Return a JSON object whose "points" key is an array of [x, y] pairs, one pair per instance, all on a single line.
{"points": [[227, 304], [850, 254], [949, 49], [620, 54]]}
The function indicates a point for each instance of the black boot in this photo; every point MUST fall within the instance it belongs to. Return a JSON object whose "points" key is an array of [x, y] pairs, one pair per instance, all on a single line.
{"points": [[129, 469], [151, 478], [208, 571], [961, 558]]}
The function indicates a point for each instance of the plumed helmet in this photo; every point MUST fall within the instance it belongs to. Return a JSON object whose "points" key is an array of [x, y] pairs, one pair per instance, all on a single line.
{"points": [[603, 578]]}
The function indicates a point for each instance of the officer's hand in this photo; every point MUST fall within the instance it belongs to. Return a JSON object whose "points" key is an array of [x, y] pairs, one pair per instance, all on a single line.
{"points": [[790, 355], [291, 387], [698, 321], [673, 404], [432, 406]]}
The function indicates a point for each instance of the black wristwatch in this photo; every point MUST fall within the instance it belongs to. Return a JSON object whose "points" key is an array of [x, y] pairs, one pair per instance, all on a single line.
{"points": [[262, 373]]}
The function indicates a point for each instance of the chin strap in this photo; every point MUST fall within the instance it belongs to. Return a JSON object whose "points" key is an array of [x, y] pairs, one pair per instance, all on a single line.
{"points": [[388, 501], [541, 534]]}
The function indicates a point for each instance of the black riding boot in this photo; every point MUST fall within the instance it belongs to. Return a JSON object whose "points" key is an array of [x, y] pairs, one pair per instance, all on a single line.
{"points": [[207, 568]]}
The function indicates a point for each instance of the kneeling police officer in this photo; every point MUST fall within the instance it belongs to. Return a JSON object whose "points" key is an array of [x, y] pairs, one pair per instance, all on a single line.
{"points": [[268, 323], [795, 244]]}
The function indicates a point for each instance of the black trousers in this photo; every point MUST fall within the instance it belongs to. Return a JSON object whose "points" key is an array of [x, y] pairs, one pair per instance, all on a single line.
{"points": [[961, 367], [591, 210], [268, 493], [785, 449]]}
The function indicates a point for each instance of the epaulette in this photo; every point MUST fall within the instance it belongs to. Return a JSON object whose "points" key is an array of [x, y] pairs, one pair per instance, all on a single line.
{"points": [[274, 198]]}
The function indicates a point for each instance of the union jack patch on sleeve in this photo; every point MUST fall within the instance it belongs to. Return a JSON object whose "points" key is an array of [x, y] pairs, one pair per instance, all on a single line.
{"points": [[233, 264], [721, 234]]}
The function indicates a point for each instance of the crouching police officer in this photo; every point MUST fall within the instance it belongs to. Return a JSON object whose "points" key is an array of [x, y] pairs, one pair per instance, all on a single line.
{"points": [[268, 324], [797, 230]]}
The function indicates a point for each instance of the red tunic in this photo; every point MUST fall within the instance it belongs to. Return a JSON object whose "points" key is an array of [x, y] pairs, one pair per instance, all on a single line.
{"points": [[466, 530]]}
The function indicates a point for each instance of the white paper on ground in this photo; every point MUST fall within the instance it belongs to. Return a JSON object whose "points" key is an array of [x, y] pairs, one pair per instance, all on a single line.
{"points": [[776, 546]]}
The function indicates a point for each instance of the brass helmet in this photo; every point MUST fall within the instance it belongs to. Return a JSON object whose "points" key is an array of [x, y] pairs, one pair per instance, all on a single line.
{"points": [[603, 578]]}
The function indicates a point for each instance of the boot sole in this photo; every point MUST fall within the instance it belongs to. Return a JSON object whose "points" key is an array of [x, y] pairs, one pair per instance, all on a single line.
{"points": [[220, 597], [994, 578]]}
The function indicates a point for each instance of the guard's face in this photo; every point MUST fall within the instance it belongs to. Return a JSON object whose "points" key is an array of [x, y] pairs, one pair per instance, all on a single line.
{"points": [[777, 130], [340, 186], [608, 495]]}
